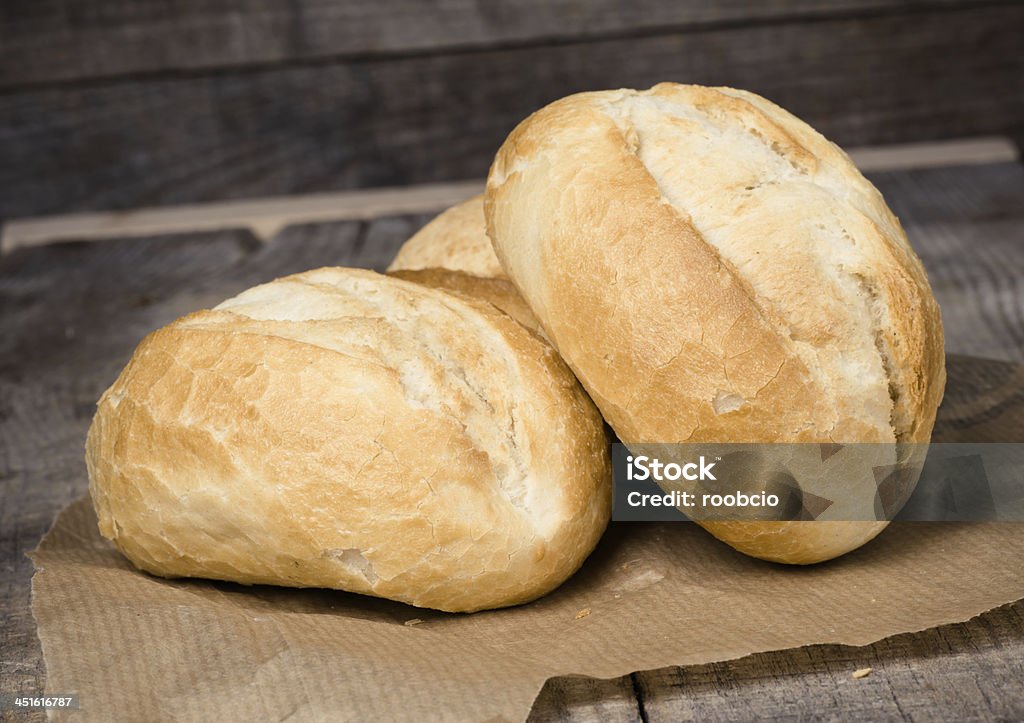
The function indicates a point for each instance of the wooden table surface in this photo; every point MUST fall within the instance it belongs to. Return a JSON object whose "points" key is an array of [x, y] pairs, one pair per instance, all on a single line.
{"points": [[71, 313]]}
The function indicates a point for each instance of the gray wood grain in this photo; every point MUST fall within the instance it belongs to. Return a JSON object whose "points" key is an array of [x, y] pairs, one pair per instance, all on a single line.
{"points": [[45, 41], [966, 672], [913, 75], [587, 699]]}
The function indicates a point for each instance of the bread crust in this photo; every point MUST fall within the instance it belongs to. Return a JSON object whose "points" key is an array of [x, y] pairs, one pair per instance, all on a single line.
{"points": [[712, 269], [343, 429], [456, 239], [500, 293]]}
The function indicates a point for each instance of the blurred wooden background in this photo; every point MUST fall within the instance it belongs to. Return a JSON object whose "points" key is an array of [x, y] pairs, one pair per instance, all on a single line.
{"points": [[126, 103]]}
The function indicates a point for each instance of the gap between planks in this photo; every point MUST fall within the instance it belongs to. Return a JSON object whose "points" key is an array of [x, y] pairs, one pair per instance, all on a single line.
{"points": [[266, 217]]}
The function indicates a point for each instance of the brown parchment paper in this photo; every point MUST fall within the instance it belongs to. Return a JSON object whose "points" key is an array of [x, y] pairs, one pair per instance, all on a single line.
{"points": [[136, 647]]}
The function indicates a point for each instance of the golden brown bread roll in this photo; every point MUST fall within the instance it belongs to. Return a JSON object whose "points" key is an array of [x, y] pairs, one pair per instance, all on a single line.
{"points": [[456, 239], [343, 429], [713, 269]]}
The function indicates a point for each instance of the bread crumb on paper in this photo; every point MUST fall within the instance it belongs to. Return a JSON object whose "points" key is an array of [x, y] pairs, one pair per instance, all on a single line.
{"points": [[583, 613], [862, 673], [414, 621]]}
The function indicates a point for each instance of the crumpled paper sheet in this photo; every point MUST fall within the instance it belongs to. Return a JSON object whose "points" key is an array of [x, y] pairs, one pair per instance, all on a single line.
{"points": [[136, 647]]}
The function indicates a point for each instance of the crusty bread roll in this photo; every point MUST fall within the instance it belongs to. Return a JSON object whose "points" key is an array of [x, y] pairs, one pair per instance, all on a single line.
{"points": [[498, 292], [343, 429], [714, 270], [456, 239]]}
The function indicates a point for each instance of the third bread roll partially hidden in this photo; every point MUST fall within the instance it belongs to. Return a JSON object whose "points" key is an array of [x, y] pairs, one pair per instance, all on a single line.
{"points": [[456, 240], [714, 270]]}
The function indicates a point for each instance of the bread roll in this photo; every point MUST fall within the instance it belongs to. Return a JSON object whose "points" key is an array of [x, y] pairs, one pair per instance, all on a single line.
{"points": [[714, 270], [457, 240], [343, 429], [497, 292]]}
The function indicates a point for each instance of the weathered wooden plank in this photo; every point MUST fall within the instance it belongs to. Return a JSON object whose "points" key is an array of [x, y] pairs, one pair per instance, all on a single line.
{"points": [[910, 76], [56, 40], [266, 216], [979, 151], [586, 699], [990, 409], [955, 673]]}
